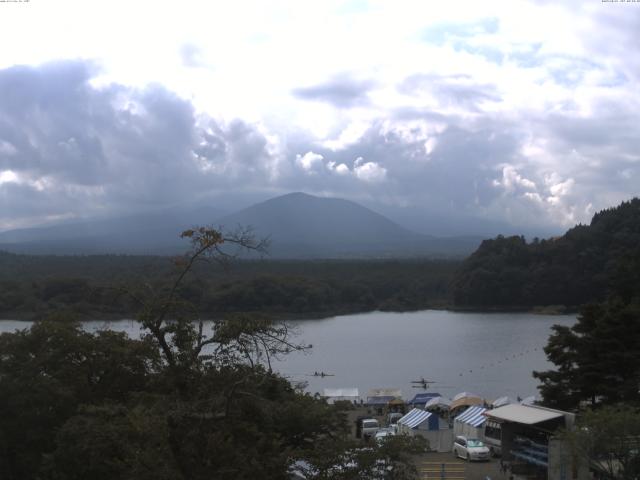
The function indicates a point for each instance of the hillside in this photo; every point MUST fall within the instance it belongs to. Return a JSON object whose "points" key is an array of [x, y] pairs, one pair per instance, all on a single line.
{"points": [[142, 234], [304, 226], [579, 267], [298, 225]]}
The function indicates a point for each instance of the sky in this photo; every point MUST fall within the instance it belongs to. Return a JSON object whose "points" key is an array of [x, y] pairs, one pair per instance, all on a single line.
{"points": [[525, 113]]}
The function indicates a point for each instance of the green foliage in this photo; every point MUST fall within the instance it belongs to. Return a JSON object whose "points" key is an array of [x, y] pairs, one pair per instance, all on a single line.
{"points": [[580, 267], [346, 460], [608, 439], [597, 360], [46, 373], [182, 403], [93, 286]]}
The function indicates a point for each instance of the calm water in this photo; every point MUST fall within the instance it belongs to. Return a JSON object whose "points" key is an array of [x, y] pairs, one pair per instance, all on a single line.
{"points": [[490, 354]]}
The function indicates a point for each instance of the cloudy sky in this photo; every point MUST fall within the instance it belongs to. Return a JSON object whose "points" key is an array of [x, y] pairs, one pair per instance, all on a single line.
{"points": [[512, 111]]}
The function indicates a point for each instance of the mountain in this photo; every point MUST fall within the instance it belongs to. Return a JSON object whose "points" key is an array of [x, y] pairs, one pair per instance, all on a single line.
{"points": [[148, 233], [579, 267], [298, 226], [304, 226]]}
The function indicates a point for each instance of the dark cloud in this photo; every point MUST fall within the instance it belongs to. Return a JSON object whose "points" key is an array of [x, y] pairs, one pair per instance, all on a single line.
{"points": [[342, 91], [77, 149]]}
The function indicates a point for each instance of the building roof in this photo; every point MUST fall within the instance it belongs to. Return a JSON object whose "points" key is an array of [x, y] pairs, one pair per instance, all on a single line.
{"points": [[340, 392], [474, 416], [524, 414], [414, 418]]}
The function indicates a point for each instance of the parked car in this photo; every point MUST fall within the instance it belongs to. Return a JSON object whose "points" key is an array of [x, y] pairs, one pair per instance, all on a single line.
{"points": [[384, 433], [470, 449]]}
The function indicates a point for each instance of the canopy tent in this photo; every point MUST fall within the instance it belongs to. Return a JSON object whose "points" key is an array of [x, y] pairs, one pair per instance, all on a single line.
{"points": [[385, 392], [427, 425], [470, 422], [333, 395], [473, 416], [382, 397], [380, 401], [463, 395], [502, 401], [438, 403], [531, 400], [465, 399], [414, 418], [421, 399]]}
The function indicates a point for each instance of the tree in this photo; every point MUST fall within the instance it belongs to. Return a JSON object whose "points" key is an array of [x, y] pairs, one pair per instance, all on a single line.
{"points": [[597, 360], [185, 402], [608, 439], [47, 372]]}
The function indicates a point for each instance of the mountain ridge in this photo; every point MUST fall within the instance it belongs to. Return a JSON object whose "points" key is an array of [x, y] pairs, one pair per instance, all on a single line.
{"points": [[299, 226]]}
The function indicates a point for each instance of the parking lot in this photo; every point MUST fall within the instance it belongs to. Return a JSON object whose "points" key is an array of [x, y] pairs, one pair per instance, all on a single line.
{"points": [[430, 464], [433, 465]]}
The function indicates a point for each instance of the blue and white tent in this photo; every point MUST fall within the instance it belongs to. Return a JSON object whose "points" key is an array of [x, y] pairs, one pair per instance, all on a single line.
{"points": [[417, 418], [470, 422], [427, 425]]}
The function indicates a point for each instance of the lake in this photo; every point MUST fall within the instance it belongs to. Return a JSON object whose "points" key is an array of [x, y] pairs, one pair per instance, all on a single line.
{"points": [[489, 354]]}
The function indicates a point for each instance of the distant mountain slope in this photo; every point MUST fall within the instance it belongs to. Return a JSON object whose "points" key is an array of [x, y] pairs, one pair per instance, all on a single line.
{"points": [[304, 226], [299, 226], [150, 233], [579, 267]]}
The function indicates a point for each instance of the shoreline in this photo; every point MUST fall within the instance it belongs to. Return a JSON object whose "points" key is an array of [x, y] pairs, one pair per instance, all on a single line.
{"points": [[557, 310]]}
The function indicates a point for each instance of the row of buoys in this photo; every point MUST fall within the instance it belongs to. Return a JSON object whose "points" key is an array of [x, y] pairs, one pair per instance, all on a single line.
{"points": [[506, 359]]}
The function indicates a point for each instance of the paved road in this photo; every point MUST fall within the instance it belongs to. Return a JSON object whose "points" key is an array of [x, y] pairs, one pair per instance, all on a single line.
{"points": [[430, 465]]}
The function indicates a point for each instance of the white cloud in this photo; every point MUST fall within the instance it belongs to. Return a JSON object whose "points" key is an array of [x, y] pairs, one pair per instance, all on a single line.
{"points": [[512, 180], [8, 176], [309, 161], [369, 171], [542, 95]]}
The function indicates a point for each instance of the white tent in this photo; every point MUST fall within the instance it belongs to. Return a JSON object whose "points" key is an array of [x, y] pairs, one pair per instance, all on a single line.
{"points": [[333, 395], [470, 422], [463, 400], [438, 402], [502, 401]]}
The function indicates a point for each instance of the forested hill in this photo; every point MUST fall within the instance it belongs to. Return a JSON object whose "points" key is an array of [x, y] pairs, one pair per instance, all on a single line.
{"points": [[581, 266]]}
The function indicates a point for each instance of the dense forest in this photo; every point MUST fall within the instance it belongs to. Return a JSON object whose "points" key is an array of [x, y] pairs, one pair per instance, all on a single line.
{"points": [[93, 286], [182, 402], [579, 267]]}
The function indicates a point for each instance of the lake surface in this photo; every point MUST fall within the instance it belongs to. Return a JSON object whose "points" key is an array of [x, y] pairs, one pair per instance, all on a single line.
{"points": [[489, 354]]}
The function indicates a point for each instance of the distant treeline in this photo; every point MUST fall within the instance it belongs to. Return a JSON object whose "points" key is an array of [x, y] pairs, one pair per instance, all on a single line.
{"points": [[580, 267], [98, 286]]}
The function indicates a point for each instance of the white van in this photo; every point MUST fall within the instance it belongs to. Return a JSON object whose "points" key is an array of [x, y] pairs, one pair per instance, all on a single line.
{"points": [[370, 427]]}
